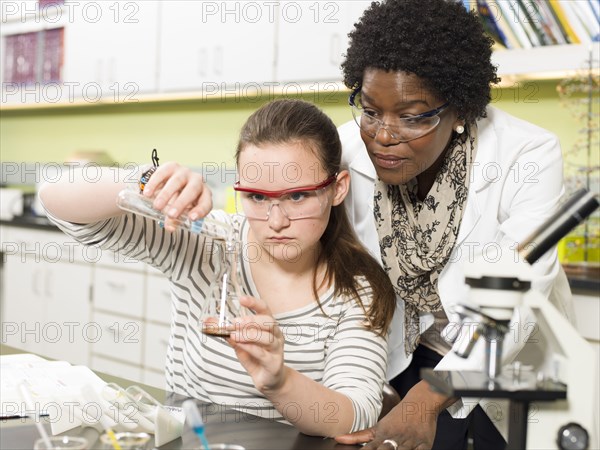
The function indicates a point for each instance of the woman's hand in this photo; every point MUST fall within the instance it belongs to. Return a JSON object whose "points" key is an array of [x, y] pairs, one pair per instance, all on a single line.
{"points": [[404, 425], [177, 190], [411, 424], [258, 344]]}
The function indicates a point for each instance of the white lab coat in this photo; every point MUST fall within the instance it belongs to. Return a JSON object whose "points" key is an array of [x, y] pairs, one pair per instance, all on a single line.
{"points": [[516, 183]]}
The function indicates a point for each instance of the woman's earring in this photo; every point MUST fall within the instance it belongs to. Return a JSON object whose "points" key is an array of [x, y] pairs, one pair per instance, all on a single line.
{"points": [[459, 129]]}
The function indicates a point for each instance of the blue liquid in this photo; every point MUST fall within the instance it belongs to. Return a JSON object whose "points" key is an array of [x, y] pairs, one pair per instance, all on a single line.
{"points": [[200, 432]]}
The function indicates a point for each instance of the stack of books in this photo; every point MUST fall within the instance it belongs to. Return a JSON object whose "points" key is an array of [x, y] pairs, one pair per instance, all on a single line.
{"points": [[517, 24]]}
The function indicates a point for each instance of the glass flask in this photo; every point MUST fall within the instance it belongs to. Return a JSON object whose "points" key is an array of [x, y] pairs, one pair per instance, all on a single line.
{"points": [[132, 201], [222, 303]]}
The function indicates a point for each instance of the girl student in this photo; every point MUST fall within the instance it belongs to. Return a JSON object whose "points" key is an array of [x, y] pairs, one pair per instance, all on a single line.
{"points": [[312, 274]]}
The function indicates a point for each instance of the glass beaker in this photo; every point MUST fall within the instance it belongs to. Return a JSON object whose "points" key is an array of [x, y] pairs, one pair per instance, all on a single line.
{"points": [[222, 303]]}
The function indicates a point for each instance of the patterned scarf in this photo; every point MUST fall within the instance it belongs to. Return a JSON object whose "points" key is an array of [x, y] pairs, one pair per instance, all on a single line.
{"points": [[417, 237]]}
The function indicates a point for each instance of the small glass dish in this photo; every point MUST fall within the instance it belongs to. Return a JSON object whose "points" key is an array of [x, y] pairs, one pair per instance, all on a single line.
{"points": [[62, 443], [126, 440]]}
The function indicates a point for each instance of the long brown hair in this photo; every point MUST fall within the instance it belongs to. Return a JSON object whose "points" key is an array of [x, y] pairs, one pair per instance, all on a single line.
{"points": [[290, 121]]}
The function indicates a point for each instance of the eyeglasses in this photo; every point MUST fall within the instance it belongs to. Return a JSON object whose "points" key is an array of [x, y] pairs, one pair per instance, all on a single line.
{"points": [[403, 129], [297, 203]]}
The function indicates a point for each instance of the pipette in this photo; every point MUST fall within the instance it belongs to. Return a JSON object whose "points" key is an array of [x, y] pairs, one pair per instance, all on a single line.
{"points": [[194, 419]]}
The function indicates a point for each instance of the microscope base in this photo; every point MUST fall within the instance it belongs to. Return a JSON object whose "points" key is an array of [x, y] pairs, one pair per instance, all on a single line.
{"points": [[520, 395]]}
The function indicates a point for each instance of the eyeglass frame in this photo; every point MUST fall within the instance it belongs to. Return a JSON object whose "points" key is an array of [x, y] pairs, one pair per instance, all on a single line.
{"points": [[278, 194], [434, 112]]}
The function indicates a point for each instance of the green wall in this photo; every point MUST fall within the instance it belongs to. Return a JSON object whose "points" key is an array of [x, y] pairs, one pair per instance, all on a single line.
{"points": [[196, 131]]}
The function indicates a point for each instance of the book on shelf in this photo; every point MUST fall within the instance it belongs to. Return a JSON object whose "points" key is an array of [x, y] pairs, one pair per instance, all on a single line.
{"points": [[52, 56], [587, 17], [509, 33], [536, 20], [510, 12], [549, 24], [533, 23], [528, 24], [489, 21], [572, 14]]}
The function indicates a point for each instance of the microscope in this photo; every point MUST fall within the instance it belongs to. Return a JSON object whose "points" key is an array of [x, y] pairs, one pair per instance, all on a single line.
{"points": [[549, 375]]}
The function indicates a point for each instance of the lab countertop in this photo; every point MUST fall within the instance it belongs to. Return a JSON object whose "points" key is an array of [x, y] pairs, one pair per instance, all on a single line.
{"points": [[222, 425], [31, 221]]}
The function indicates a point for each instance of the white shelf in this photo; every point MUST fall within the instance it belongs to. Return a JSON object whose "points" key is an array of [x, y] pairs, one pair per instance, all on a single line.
{"points": [[547, 62]]}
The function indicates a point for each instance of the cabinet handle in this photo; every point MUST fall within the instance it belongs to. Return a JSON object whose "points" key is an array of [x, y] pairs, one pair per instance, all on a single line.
{"points": [[36, 282], [218, 60], [111, 71], [202, 61], [48, 284], [116, 286], [99, 70], [334, 49]]}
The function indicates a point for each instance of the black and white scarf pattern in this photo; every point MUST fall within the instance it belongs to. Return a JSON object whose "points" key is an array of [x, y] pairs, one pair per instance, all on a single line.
{"points": [[416, 238]]}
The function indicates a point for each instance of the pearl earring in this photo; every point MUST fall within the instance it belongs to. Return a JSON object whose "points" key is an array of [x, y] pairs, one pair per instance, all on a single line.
{"points": [[459, 129]]}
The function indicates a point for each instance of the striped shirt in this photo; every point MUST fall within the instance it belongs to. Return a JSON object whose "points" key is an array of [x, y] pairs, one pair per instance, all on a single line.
{"points": [[329, 345]]}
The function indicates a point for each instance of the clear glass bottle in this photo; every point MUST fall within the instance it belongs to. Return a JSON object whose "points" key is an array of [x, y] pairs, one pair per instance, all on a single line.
{"points": [[132, 201], [222, 303]]}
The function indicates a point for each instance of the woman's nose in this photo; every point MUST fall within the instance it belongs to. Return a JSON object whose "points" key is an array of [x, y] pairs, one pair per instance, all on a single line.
{"points": [[384, 136]]}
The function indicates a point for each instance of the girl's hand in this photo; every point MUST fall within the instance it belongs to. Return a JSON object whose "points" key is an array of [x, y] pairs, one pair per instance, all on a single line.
{"points": [[258, 343], [176, 189]]}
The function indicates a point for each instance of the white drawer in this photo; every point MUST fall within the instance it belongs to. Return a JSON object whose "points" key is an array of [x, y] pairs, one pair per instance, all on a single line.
{"points": [[118, 261], [154, 379], [117, 337], [119, 291], [48, 246], [117, 369], [158, 299], [155, 346]]}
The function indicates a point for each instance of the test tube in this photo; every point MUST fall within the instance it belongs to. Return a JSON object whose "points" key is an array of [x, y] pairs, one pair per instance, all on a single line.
{"points": [[132, 201]]}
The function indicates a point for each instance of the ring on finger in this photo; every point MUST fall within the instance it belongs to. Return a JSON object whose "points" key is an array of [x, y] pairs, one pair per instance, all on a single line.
{"points": [[392, 442]]}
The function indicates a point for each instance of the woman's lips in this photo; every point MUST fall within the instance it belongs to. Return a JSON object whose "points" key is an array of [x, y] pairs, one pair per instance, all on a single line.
{"points": [[388, 161]]}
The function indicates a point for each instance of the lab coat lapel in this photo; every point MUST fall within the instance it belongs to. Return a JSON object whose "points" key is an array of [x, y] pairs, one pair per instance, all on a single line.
{"points": [[486, 154]]}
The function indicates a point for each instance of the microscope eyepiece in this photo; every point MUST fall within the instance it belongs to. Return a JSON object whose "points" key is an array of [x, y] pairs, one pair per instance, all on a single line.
{"points": [[574, 211]]}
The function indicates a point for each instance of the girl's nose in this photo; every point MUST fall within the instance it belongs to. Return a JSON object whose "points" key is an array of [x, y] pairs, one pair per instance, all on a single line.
{"points": [[277, 218]]}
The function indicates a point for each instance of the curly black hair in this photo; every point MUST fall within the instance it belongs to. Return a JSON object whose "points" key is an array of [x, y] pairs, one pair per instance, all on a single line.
{"points": [[437, 40]]}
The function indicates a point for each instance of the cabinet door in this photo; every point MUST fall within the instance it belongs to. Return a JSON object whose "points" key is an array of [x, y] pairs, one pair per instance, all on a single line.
{"points": [[110, 50], [158, 301], [209, 45], [155, 346], [23, 308], [313, 37], [66, 290]]}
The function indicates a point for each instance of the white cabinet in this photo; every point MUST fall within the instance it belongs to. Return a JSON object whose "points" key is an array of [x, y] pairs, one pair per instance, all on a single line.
{"points": [[110, 50], [46, 307], [212, 45], [66, 301], [313, 37]]}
